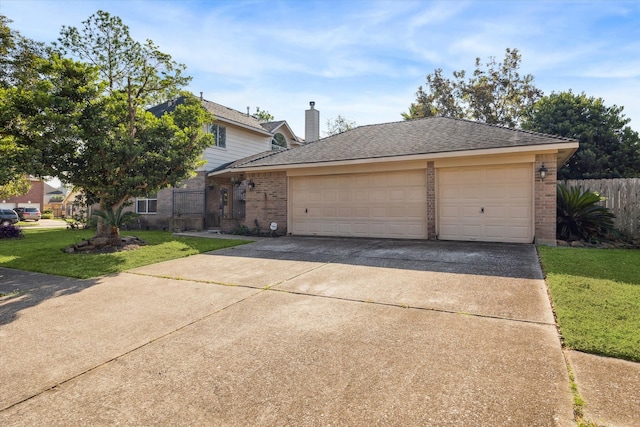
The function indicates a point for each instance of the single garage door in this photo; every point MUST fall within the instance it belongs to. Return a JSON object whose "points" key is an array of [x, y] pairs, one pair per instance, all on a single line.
{"points": [[390, 204], [492, 204]]}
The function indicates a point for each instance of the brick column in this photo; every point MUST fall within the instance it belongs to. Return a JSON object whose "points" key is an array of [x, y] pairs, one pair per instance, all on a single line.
{"points": [[268, 201], [545, 200], [431, 201]]}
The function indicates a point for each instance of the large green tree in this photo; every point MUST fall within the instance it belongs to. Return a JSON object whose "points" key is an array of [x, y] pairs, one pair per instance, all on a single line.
{"points": [[494, 93], [338, 125], [17, 58], [609, 148], [85, 121]]}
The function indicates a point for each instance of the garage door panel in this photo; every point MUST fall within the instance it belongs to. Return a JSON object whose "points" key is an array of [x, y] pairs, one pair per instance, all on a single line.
{"points": [[329, 196], [367, 205], [345, 196], [361, 196], [493, 203], [314, 196], [345, 212], [495, 192]]}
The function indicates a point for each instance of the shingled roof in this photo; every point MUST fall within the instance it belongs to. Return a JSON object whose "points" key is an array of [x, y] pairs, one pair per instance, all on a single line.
{"points": [[271, 126], [415, 137], [220, 112]]}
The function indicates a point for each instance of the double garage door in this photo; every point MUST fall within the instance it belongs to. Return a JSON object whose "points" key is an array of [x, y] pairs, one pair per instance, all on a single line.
{"points": [[390, 204], [489, 203]]}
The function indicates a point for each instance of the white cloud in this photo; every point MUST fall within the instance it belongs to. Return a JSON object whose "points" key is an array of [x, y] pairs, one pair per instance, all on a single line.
{"points": [[365, 59]]}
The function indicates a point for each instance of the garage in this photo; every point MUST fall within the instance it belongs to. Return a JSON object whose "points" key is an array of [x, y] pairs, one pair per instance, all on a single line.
{"points": [[489, 203], [388, 204], [432, 178]]}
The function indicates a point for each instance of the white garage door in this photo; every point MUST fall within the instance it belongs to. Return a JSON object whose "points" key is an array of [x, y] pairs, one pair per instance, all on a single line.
{"points": [[389, 205], [492, 204]]}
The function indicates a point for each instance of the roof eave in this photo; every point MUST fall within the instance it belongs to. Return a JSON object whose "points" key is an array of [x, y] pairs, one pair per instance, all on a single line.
{"points": [[242, 125]]}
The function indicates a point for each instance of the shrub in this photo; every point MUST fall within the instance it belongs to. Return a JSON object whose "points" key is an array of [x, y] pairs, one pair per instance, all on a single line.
{"points": [[10, 232], [46, 215], [580, 217]]}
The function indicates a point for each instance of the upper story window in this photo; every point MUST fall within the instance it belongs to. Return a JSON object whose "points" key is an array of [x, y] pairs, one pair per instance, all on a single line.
{"points": [[219, 134], [278, 142], [148, 205]]}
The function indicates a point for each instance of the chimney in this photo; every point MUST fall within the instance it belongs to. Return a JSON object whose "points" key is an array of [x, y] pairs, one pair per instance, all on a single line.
{"points": [[311, 123], [201, 98]]}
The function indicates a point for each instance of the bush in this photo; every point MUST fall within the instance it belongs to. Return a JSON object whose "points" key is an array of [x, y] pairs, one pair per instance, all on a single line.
{"points": [[46, 215], [580, 217], [10, 232]]}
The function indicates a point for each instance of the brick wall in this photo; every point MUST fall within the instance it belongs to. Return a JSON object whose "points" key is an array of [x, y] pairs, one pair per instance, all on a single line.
{"points": [[161, 219], [545, 200], [267, 203], [431, 201], [33, 196]]}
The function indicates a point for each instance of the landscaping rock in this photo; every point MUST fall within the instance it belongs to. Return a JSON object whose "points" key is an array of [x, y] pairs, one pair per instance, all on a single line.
{"points": [[605, 244], [105, 245], [99, 241]]}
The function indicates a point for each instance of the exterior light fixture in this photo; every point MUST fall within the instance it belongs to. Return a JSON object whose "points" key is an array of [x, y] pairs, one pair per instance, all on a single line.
{"points": [[543, 172], [251, 184]]}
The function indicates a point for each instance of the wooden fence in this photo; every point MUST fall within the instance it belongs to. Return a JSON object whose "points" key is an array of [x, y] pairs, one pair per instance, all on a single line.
{"points": [[622, 198]]}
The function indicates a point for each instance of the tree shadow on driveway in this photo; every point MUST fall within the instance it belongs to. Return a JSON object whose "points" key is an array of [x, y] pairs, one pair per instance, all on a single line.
{"points": [[23, 289]]}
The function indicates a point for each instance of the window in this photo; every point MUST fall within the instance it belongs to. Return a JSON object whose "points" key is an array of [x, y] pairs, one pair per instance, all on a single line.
{"points": [[278, 142], [148, 205], [219, 134]]}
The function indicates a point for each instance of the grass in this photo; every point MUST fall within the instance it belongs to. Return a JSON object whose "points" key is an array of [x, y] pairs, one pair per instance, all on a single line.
{"points": [[27, 224], [40, 251], [596, 298]]}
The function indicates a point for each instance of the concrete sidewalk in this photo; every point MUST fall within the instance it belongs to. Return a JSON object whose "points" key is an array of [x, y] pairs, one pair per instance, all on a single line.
{"points": [[290, 331]]}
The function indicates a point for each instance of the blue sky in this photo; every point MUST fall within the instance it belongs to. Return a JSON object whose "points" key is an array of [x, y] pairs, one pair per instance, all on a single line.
{"points": [[361, 59]]}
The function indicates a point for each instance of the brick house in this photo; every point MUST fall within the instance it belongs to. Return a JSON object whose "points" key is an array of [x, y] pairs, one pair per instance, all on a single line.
{"points": [[35, 197], [433, 178], [201, 202]]}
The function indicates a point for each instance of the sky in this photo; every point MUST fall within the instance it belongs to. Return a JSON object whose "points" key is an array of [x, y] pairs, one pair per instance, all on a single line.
{"points": [[364, 60]]}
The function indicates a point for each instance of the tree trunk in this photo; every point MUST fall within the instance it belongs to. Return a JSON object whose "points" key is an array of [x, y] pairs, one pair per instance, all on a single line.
{"points": [[103, 229], [114, 237]]}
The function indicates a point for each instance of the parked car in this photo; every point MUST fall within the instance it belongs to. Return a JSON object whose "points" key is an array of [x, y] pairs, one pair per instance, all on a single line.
{"points": [[28, 213], [8, 217]]}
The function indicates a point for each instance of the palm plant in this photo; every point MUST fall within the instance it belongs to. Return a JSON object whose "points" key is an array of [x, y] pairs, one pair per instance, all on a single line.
{"points": [[115, 219], [579, 216]]}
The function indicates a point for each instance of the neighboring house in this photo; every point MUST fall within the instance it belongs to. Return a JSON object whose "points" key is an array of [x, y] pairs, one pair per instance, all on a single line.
{"points": [[35, 197], [434, 178], [72, 204], [41, 195], [195, 204]]}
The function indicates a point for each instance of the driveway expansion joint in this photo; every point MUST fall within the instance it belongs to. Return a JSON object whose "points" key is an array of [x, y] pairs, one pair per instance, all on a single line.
{"points": [[130, 351]]}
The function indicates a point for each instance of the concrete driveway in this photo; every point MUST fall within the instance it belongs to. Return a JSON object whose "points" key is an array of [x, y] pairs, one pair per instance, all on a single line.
{"points": [[290, 331]]}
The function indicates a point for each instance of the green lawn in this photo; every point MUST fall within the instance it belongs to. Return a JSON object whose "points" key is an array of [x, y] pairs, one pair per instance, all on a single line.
{"points": [[40, 251], [596, 297]]}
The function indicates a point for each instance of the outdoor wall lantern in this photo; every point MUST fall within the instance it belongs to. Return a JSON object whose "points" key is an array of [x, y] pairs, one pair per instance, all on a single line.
{"points": [[251, 185], [543, 172]]}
